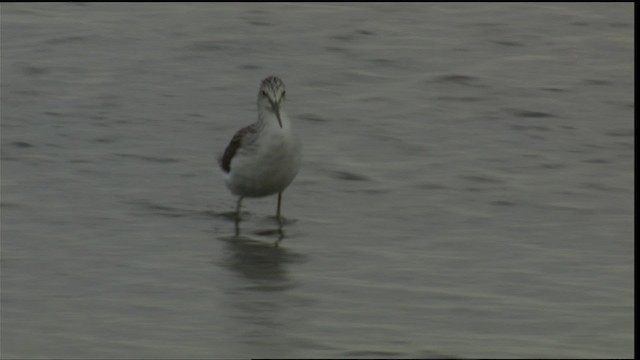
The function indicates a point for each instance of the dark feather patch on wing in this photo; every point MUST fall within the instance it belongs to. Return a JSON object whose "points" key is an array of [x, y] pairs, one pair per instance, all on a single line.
{"points": [[234, 145]]}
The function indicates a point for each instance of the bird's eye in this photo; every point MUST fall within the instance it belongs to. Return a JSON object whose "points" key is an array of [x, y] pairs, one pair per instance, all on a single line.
{"points": [[284, 93], [264, 93]]}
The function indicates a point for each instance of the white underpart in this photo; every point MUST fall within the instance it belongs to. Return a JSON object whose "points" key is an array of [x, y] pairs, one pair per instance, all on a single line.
{"points": [[268, 162]]}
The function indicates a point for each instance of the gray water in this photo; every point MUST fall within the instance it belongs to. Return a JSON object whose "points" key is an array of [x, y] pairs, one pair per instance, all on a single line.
{"points": [[467, 186]]}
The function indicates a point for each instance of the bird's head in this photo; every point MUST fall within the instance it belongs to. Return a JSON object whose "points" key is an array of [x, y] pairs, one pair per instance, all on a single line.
{"points": [[271, 96]]}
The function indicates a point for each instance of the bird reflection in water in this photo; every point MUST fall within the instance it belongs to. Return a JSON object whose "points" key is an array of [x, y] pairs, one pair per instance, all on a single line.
{"points": [[278, 233], [262, 262], [256, 254]]}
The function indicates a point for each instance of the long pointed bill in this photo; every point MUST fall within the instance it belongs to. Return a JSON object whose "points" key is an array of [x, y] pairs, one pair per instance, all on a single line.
{"points": [[276, 109]]}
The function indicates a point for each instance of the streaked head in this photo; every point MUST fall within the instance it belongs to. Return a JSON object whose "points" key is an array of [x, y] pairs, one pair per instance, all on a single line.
{"points": [[271, 96]]}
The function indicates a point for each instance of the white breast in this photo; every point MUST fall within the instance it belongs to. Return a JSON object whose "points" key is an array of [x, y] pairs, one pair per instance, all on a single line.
{"points": [[268, 165]]}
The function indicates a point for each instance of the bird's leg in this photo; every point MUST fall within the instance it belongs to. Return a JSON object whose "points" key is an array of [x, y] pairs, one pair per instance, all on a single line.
{"points": [[278, 211], [280, 235], [238, 205], [237, 221], [279, 218]]}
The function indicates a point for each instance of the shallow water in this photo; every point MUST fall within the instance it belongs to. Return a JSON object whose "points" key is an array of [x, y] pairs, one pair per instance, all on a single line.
{"points": [[467, 186]]}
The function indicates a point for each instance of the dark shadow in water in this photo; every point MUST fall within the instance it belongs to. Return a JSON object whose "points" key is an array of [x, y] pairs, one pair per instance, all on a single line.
{"points": [[276, 232], [260, 261], [257, 258], [427, 354], [152, 208], [260, 298]]}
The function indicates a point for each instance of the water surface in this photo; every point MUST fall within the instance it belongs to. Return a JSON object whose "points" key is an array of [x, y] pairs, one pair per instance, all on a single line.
{"points": [[467, 186]]}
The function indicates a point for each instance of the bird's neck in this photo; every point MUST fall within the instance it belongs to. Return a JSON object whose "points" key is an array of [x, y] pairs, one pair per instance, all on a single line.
{"points": [[268, 118]]}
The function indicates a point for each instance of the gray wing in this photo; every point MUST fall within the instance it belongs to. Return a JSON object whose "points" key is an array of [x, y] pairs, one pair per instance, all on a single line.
{"points": [[241, 136]]}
